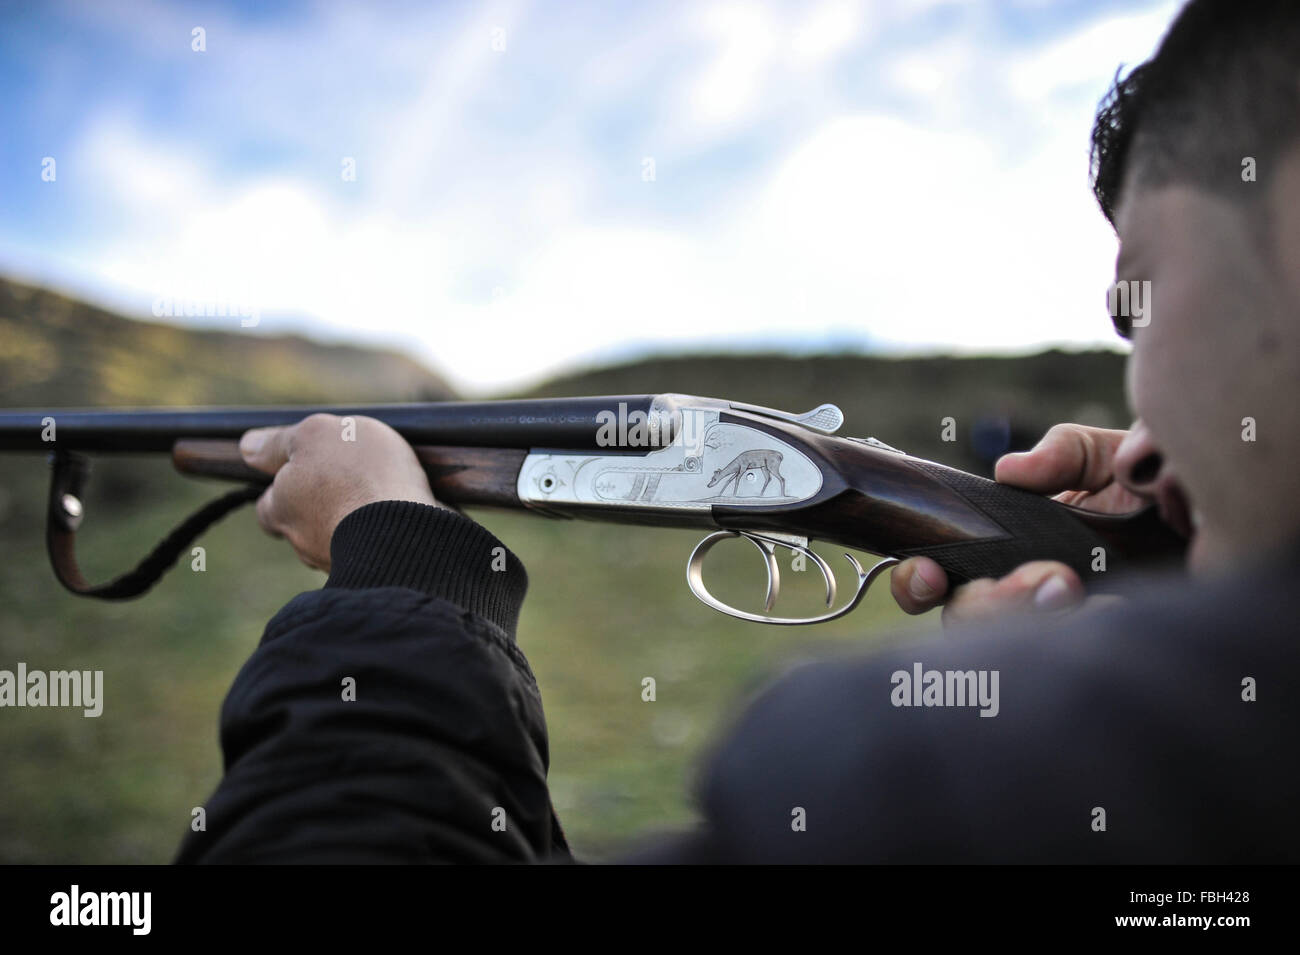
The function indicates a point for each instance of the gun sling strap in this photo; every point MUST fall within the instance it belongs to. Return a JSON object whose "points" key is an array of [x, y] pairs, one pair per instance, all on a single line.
{"points": [[67, 481]]}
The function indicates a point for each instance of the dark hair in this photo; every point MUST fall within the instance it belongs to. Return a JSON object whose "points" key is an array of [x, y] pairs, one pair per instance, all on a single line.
{"points": [[1224, 85]]}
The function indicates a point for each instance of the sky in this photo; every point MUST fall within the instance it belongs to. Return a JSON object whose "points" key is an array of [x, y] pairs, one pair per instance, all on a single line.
{"points": [[507, 190]]}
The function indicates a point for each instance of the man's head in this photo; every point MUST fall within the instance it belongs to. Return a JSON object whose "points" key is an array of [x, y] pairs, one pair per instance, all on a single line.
{"points": [[1196, 162]]}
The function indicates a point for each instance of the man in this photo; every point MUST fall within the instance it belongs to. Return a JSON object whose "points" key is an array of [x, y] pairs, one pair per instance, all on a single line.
{"points": [[1161, 729]]}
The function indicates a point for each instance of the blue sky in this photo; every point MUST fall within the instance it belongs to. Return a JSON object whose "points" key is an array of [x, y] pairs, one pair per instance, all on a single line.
{"points": [[541, 185]]}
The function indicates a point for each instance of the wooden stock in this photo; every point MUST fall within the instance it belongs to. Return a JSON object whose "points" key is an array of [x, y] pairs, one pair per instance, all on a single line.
{"points": [[460, 476], [895, 505], [874, 500]]}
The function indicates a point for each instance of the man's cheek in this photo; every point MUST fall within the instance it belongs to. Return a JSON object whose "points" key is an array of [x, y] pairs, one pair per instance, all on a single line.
{"points": [[1163, 398], [1146, 372], [1166, 377]]}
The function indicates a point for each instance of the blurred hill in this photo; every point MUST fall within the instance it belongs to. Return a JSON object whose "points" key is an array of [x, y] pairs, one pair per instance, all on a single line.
{"points": [[607, 605], [997, 404], [60, 352]]}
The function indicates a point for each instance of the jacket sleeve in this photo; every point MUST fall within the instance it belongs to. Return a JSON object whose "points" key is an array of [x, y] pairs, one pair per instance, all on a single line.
{"points": [[388, 717]]}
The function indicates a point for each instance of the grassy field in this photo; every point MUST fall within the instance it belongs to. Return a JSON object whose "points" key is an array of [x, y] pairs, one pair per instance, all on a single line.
{"points": [[607, 606]]}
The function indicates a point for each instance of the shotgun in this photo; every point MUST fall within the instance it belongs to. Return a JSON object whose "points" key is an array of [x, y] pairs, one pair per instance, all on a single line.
{"points": [[727, 468]]}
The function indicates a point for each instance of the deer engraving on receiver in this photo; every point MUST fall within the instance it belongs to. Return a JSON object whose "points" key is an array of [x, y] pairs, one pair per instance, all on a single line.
{"points": [[769, 462]]}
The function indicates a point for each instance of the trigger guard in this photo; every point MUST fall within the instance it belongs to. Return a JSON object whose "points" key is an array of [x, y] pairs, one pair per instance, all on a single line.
{"points": [[767, 546]]}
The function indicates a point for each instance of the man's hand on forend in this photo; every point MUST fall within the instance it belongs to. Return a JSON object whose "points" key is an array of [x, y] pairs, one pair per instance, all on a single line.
{"points": [[325, 468]]}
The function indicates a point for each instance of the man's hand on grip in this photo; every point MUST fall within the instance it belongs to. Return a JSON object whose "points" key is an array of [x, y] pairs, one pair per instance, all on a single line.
{"points": [[1073, 462]]}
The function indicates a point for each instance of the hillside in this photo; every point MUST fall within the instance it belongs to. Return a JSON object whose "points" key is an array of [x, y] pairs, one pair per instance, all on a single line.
{"points": [[997, 404], [59, 352]]}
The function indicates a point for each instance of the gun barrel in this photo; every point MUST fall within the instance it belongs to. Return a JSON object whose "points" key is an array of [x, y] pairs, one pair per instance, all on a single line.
{"points": [[558, 423]]}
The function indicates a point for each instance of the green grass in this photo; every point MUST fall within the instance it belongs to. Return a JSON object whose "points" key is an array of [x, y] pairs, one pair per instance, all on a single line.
{"points": [[607, 607], [119, 788]]}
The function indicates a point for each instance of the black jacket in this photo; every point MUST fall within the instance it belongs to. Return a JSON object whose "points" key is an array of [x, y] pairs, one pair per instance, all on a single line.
{"points": [[1133, 717]]}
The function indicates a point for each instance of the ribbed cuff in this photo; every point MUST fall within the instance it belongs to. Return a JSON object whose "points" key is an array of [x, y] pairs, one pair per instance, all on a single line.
{"points": [[431, 549]]}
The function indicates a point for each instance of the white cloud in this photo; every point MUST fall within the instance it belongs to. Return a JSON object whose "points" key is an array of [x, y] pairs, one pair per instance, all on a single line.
{"points": [[1088, 56], [834, 26], [962, 223], [746, 38]]}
